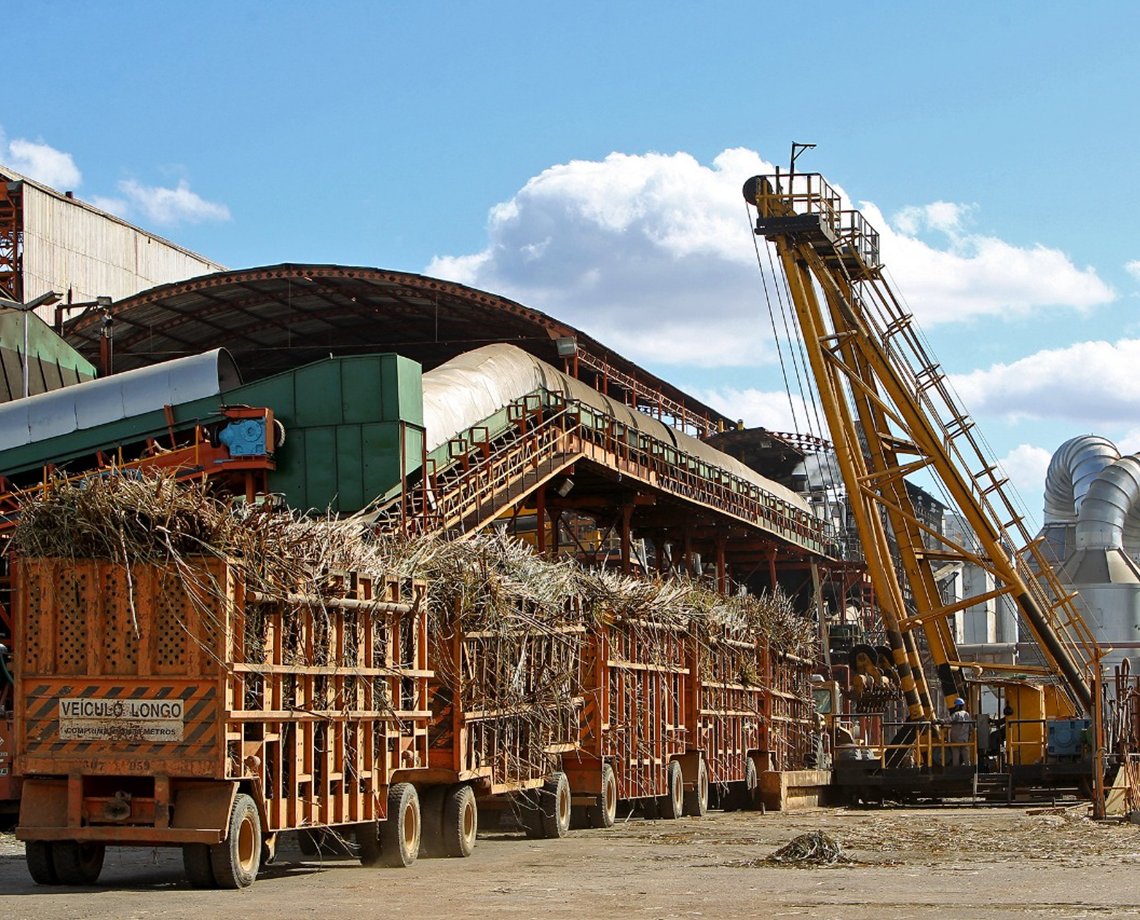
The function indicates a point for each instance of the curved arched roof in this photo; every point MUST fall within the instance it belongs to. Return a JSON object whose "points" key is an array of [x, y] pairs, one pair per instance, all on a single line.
{"points": [[277, 317]]}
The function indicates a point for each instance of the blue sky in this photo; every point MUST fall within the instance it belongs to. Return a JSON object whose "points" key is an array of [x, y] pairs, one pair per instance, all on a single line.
{"points": [[586, 158]]}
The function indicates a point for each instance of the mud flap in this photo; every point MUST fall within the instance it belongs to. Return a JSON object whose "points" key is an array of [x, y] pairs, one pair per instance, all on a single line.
{"points": [[204, 806], [42, 804]]}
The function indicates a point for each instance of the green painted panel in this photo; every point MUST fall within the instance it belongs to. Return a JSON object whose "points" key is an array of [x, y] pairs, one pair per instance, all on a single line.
{"points": [[289, 477], [350, 489], [43, 342], [362, 390], [321, 470], [319, 395], [380, 445], [342, 419], [278, 393]]}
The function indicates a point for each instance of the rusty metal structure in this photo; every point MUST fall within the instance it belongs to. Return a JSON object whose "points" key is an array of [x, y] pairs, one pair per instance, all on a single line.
{"points": [[51, 240], [279, 317], [595, 439], [310, 709]]}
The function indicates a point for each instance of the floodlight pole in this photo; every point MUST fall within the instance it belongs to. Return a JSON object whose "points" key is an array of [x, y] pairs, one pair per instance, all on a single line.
{"points": [[25, 308]]}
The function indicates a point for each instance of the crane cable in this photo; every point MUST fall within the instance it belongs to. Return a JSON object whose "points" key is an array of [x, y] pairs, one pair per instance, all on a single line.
{"points": [[812, 397], [808, 394], [772, 320]]}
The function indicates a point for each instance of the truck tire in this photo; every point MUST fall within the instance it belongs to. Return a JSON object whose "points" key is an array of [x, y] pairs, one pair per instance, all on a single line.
{"points": [[77, 863], [546, 813], [748, 791], [697, 798], [41, 867], [741, 795], [460, 821], [432, 822], [196, 863], [557, 804], [672, 803], [237, 859], [604, 814], [400, 834]]}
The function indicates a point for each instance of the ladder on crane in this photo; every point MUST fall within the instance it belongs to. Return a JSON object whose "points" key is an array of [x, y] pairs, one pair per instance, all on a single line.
{"points": [[891, 413]]}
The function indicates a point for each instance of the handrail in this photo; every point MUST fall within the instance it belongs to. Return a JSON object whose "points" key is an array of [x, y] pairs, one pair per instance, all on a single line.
{"points": [[554, 425]]}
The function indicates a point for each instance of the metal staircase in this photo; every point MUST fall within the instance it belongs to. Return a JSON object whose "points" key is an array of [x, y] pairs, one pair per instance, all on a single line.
{"points": [[993, 787], [484, 475]]}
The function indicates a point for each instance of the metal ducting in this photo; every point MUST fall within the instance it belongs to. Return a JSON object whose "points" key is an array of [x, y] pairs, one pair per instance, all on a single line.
{"points": [[88, 405], [1108, 505], [1102, 525], [1074, 466]]}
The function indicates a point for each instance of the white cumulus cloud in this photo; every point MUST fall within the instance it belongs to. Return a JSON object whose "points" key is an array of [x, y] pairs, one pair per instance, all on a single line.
{"points": [[976, 275], [653, 255], [1093, 383], [41, 162], [1133, 268], [769, 409], [171, 205], [1026, 466]]}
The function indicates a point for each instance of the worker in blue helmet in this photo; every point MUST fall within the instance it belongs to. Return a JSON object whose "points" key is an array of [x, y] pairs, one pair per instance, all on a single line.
{"points": [[961, 728]]}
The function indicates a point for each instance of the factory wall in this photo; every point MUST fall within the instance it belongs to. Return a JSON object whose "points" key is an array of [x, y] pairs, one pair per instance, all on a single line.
{"points": [[70, 246]]}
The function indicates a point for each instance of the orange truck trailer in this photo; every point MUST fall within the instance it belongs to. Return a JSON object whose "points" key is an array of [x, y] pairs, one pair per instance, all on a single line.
{"points": [[167, 705], [634, 745], [672, 716], [732, 695], [506, 702]]}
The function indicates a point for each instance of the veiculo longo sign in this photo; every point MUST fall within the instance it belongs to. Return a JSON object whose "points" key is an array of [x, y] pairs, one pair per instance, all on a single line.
{"points": [[102, 719]]}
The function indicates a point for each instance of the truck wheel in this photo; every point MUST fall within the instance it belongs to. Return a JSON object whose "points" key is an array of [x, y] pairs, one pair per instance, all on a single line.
{"points": [[40, 864], [697, 799], [741, 794], [546, 813], [432, 828], [556, 801], [748, 791], [400, 834], [77, 863], [460, 821], [196, 863], [604, 814], [236, 859], [672, 803]]}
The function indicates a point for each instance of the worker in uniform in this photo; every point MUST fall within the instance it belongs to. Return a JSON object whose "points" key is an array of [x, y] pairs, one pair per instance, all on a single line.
{"points": [[998, 735], [960, 724]]}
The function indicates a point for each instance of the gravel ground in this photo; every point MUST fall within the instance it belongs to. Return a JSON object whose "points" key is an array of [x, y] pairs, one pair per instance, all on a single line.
{"points": [[964, 863]]}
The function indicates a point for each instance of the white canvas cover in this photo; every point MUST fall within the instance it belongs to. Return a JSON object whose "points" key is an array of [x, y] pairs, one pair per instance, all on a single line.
{"points": [[472, 387]]}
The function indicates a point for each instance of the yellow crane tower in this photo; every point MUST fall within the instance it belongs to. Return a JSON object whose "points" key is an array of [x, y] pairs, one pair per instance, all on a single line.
{"points": [[891, 413]]}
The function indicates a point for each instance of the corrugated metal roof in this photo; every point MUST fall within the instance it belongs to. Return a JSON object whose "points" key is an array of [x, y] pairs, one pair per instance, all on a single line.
{"points": [[278, 317]]}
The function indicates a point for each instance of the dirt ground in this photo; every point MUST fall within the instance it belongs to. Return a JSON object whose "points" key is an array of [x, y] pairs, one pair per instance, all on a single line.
{"points": [[963, 863]]}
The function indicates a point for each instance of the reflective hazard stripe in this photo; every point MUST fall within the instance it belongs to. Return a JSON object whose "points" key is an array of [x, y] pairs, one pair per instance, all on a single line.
{"points": [[202, 724]]}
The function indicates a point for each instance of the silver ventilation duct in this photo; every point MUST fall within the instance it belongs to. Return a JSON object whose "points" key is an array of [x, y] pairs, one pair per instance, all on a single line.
{"points": [[1072, 470], [1109, 503], [1098, 536]]}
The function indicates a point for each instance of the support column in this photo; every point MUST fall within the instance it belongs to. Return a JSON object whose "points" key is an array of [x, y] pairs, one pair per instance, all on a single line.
{"points": [[540, 519], [626, 516]]}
